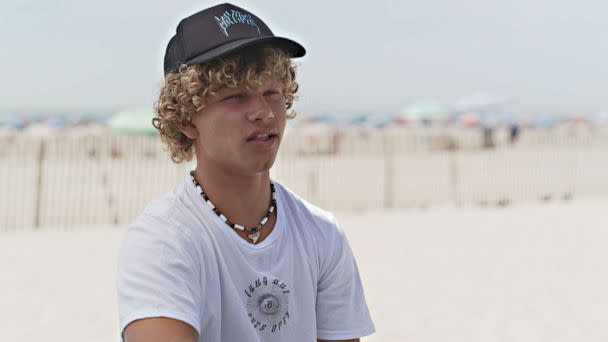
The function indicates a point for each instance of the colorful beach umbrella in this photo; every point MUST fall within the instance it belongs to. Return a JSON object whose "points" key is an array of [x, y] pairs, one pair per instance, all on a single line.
{"points": [[425, 110], [132, 122], [11, 120], [470, 119]]}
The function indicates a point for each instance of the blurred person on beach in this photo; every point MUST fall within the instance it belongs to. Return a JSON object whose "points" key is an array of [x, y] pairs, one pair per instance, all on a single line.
{"points": [[229, 254], [514, 131]]}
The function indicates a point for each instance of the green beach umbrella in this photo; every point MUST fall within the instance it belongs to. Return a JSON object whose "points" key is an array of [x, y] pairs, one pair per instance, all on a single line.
{"points": [[132, 122], [425, 110], [6, 118]]}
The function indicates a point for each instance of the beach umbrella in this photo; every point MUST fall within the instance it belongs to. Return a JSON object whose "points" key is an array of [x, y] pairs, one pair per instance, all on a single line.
{"points": [[358, 119], [132, 122], [6, 118], [84, 118], [12, 120], [329, 119], [100, 118], [336, 121], [58, 121], [425, 110], [470, 119], [380, 121], [36, 116]]}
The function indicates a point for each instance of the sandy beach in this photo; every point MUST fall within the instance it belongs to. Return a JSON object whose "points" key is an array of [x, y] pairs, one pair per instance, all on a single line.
{"points": [[528, 272]]}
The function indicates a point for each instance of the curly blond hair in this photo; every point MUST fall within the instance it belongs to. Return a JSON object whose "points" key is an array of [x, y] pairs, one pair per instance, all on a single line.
{"points": [[184, 92]]}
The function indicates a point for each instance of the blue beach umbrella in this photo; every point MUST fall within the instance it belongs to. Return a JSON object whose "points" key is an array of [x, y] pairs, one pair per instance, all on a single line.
{"points": [[358, 119], [12, 120], [380, 121]]}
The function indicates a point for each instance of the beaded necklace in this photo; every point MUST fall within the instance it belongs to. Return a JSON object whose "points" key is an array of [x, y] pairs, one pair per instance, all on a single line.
{"points": [[254, 232]]}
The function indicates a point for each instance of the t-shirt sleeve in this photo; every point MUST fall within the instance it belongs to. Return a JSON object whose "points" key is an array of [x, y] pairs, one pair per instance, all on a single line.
{"points": [[342, 312], [158, 274]]}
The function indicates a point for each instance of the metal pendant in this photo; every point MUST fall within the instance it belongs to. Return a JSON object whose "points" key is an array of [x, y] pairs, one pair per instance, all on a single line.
{"points": [[254, 236]]}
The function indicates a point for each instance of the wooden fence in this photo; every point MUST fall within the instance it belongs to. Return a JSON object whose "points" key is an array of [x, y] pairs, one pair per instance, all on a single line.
{"points": [[68, 182]]}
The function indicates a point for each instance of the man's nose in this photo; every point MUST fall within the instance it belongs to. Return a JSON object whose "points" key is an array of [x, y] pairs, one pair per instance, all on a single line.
{"points": [[260, 109]]}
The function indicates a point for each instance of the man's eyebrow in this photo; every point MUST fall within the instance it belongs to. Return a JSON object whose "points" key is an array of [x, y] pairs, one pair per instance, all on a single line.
{"points": [[223, 92], [231, 89]]}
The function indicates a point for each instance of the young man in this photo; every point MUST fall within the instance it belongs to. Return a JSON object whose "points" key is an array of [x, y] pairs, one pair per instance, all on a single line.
{"points": [[230, 255]]}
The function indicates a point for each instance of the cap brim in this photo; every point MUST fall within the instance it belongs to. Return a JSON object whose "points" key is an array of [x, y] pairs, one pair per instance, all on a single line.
{"points": [[292, 48]]}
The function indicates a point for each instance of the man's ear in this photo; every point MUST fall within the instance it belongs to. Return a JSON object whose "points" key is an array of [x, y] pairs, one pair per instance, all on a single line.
{"points": [[188, 128]]}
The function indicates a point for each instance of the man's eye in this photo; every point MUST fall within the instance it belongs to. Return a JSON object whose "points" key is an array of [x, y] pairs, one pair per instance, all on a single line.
{"points": [[272, 92], [235, 97]]}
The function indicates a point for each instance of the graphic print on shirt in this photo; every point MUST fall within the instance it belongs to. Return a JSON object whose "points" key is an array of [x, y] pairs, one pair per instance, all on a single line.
{"points": [[267, 304]]}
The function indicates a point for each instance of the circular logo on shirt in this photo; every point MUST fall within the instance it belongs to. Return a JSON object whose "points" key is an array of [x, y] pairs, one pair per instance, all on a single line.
{"points": [[267, 304]]}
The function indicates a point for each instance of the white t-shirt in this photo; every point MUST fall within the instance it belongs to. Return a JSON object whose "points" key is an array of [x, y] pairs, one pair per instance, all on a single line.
{"points": [[180, 260]]}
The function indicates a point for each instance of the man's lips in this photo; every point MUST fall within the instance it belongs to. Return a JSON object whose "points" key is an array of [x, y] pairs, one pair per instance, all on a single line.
{"points": [[262, 136], [266, 144]]}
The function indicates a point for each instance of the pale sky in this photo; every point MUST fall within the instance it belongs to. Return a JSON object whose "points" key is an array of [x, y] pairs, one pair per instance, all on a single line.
{"points": [[363, 56]]}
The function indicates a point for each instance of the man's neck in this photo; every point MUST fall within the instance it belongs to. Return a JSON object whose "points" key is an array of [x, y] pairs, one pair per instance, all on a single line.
{"points": [[243, 199]]}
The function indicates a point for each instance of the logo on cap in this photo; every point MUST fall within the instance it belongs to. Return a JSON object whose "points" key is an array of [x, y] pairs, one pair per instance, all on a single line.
{"points": [[232, 17]]}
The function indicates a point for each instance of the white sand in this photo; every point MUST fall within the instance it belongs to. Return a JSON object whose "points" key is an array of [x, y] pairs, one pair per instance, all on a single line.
{"points": [[529, 272]]}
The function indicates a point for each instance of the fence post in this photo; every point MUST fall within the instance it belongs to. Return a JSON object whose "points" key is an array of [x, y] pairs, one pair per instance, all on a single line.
{"points": [[388, 172], [453, 170], [40, 161], [574, 167]]}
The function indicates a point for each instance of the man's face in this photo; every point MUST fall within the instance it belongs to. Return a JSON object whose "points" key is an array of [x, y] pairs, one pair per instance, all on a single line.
{"points": [[233, 126]]}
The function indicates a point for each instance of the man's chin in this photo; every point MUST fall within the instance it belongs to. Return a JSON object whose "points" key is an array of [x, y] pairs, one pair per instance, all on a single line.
{"points": [[264, 164]]}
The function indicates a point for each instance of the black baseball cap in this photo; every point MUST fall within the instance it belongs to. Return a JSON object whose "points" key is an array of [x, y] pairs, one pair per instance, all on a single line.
{"points": [[217, 31]]}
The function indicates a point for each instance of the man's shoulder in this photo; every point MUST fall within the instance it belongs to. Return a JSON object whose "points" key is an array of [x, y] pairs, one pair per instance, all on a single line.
{"points": [[161, 207], [164, 211], [306, 214]]}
